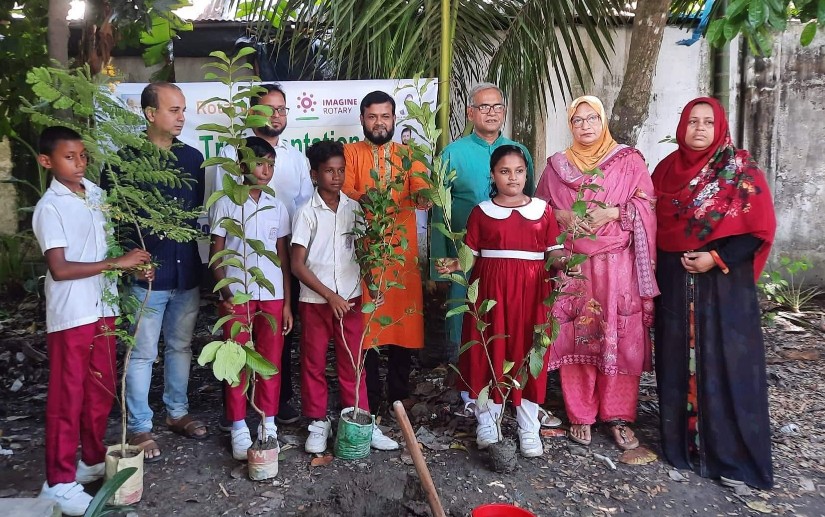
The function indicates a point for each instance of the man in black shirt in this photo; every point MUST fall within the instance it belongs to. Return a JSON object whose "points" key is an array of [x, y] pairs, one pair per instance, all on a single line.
{"points": [[174, 299]]}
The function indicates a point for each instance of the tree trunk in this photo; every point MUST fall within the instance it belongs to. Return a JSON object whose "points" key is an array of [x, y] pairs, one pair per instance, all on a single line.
{"points": [[58, 33], [630, 110]]}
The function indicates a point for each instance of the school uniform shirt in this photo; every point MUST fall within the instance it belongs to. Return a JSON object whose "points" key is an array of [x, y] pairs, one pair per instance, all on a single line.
{"points": [[266, 221], [290, 180], [76, 223], [330, 245]]}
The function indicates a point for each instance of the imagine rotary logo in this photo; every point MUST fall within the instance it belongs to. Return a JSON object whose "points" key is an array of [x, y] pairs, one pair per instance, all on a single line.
{"points": [[307, 102]]}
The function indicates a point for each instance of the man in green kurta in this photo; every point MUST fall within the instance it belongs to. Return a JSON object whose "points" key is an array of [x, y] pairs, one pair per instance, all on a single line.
{"points": [[470, 158]]}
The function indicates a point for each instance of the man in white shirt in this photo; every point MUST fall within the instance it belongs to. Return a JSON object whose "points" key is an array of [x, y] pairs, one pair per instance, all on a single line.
{"points": [[293, 187]]}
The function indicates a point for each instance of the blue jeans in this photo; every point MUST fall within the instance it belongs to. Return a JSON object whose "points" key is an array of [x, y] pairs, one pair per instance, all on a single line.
{"points": [[173, 312]]}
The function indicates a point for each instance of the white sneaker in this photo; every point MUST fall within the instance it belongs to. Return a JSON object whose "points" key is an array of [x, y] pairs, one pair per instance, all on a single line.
{"points": [[271, 431], [89, 474], [241, 442], [486, 435], [530, 443], [70, 496], [381, 442], [319, 431]]}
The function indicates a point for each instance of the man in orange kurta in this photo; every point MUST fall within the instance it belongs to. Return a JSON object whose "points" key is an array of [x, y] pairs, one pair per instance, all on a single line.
{"points": [[405, 306]]}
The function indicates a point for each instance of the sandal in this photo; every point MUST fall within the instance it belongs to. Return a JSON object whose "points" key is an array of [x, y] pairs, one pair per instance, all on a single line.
{"points": [[574, 438], [188, 427], [623, 435], [547, 419], [469, 410], [148, 444]]}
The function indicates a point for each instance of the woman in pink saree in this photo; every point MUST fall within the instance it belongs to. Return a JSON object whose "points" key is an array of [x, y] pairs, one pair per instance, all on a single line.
{"points": [[606, 315]]}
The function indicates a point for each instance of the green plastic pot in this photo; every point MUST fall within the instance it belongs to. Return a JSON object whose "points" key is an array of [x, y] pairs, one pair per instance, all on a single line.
{"points": [[352, 440]]}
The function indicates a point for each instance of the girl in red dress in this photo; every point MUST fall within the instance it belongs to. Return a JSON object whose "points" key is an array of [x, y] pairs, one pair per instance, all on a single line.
{"points": [[510, 237]]}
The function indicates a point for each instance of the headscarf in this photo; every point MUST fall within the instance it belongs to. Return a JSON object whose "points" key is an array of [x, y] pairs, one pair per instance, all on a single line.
{"points": [[713, 193], [587, 156]]}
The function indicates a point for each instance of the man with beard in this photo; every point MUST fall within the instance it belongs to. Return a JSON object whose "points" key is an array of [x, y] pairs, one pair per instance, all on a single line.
{"points": [[470, 158], [403, 306], [293, 187]]}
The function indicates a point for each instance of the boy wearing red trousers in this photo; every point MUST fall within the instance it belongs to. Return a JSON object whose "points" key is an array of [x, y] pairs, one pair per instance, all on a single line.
{"points": [[323, 259], [266, 219], [71, 230]]}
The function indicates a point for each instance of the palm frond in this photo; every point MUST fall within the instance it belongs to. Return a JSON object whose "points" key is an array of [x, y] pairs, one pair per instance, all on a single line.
{"points": [[520, 44]]}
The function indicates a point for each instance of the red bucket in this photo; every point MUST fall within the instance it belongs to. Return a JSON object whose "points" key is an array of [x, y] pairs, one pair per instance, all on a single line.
{"points": [[500, 510]]}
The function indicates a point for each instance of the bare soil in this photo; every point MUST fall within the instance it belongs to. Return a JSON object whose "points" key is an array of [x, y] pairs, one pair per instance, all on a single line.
{"points": [[200, 478]]}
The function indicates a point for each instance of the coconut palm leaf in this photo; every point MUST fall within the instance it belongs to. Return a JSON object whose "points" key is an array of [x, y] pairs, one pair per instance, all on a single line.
{"points": [[521, 44]]}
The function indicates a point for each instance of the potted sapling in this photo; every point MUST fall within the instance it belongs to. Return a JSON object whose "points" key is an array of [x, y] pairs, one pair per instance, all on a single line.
{"points": [[234, 358]]}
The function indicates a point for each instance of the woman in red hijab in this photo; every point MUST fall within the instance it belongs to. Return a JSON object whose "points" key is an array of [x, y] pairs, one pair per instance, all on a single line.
{"points": [[716, 224]]}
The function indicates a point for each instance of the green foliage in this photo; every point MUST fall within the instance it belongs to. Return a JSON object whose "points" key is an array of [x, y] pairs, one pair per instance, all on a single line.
{"points": [[232, 361], [99, 507], [783, 286], [22, 46], [16, 275], [758, 20]]}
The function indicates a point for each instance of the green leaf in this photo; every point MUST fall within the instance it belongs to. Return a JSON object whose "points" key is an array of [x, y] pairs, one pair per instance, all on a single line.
{"points": [[486, 305], [229, 361], [466, 346], [368, 308], [385, 321], [757, 13], [259, 364], [808, 34], [455, 311], [472, 291], [208, 352], [507, 366], [107, 491], [483, 396], [579, 208], [218, 324], [536, 362], [465, 257], [240, 298]]}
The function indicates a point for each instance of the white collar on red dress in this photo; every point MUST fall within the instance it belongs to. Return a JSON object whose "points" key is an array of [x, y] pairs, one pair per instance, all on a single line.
{"points": [[532, 210]]}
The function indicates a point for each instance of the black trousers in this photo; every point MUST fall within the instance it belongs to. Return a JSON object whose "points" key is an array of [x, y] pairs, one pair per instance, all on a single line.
{"points": [[287, 389], [399, 361]]}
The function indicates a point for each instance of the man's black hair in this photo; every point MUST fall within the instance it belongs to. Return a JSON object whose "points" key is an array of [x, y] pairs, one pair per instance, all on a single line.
{"points": [[322, 151], [149, 96], [376, 97], [270, 87], [51, 136]]}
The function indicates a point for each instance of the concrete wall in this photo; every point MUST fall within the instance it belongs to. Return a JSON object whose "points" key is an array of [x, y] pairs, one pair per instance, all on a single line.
{"points": [[784, 120], [8, 192], [187, 69]]}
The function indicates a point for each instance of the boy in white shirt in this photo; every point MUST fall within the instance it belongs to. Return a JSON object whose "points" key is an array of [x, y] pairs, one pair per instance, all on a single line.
{"points": [[323, 259], [266, 220], [71, 229]]}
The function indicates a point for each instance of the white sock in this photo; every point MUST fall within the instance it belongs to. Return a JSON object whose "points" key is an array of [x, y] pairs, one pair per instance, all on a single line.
{"points": [[269, 420], [527, 416], [238, 424]]}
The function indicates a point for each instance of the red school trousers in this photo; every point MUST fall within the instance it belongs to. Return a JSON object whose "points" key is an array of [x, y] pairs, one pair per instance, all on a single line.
{"points": [[319, 325], [269, 343], [81, 390]]}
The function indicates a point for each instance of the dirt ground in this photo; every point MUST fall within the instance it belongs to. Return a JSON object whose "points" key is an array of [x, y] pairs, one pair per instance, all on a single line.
{"points": [[200, 478]]}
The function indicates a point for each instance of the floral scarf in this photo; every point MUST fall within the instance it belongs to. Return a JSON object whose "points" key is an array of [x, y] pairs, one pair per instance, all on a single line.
{"points": [[710, 194]]}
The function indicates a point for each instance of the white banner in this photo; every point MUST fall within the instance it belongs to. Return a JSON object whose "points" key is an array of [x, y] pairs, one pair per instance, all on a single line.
{"points": [[318, 110]]}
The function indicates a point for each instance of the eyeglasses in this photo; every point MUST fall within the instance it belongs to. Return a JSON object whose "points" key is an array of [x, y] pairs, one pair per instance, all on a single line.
{"points": [[591, 120], [277, 111], [485, 108]]}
